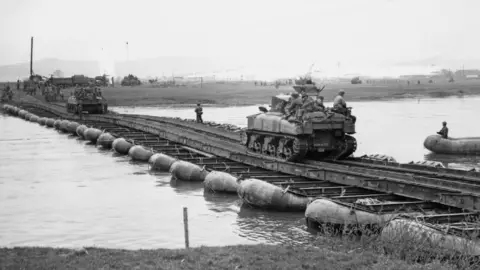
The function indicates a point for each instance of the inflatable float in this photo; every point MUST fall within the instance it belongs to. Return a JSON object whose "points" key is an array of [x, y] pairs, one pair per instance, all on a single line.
{"points": [[221, 182], [105, 140], [56, 124], [34, 118], [351, 215], [186, 171], [22, 113], [121, 146], [92, 134], [64, 125], [81, 131], [49, 122], [261, 194], [72, 128], [161, 162], [42, 121], [139, 153], [456, 146], [424, 235]]}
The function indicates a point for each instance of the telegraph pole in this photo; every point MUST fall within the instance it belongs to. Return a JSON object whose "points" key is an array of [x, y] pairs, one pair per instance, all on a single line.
{"points": [[31, 56], [128, 57]]}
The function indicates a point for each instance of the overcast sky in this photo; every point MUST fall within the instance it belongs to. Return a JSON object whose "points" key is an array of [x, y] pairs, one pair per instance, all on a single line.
{"points": [[328, 31]]}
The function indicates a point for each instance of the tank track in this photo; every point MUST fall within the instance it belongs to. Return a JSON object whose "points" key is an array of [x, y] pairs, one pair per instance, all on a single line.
{"points": [[284, 147], [349, 146]]}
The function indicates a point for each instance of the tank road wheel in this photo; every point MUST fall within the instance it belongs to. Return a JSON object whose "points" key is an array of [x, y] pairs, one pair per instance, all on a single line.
{"points": [[300, 148], [270, 146], [272, 149], [288, 152], [266, 142], [345, 148], [292, 149], [251, 141], [244, 138], [257, 144], [282, 148]]}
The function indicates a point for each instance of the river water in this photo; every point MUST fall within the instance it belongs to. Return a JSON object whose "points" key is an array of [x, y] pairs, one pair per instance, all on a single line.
{"points": [[56, 190], [395, 128]]}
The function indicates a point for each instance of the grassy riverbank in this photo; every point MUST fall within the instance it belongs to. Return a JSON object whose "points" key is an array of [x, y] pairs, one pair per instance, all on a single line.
{"points": [[230, 257], [248, 94]]}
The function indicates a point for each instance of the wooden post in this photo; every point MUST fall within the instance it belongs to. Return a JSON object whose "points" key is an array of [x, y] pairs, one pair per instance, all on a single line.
{"points": [[185, 226]]}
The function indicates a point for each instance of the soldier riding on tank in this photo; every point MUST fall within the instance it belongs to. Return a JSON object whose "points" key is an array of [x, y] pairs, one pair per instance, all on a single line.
{"points": [[301, 125], [340, 106]]}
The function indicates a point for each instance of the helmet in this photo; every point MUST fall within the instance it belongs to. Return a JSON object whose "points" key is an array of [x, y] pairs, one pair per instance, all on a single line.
{"points": [[294, 95], [444, 122], [341, 92]]}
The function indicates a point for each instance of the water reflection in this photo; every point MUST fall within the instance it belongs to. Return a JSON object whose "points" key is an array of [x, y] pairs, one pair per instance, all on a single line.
{"points": [[272, 227]]}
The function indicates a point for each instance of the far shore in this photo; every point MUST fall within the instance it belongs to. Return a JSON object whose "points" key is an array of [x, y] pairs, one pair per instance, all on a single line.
{"points": [[246, 94]]}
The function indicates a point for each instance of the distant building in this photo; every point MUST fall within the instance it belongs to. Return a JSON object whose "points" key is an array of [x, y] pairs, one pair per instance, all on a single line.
{"points": [[467, 72], [58, 73]]}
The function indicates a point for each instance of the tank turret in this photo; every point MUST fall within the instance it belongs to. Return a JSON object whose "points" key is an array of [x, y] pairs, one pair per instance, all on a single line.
{"points": [[310, 130]]}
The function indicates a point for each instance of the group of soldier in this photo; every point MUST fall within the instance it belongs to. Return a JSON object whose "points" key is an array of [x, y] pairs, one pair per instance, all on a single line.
{"points": [[300, 104], [81, 92], [51, 91], [7, 92]]}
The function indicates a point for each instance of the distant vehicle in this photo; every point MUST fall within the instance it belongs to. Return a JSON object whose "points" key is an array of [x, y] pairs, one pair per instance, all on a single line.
{"points": [[101, 81], [356, 80], [65, 82], [130, 80]]}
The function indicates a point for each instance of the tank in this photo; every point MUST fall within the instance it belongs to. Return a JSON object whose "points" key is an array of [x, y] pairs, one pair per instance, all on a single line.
{"points": [[88, 99], [318, 134]]}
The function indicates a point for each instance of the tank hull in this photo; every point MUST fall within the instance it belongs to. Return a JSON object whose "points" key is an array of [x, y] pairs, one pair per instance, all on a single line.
{"points": [[98, 106], [319, 135]]}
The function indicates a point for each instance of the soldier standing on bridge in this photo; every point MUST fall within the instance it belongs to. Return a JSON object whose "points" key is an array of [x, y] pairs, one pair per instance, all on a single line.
{"points": [[199, 112], [444, 130]]}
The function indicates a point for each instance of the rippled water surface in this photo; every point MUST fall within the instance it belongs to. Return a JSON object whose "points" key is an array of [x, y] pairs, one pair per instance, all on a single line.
{"points": [[56, 190], [395, 128]]}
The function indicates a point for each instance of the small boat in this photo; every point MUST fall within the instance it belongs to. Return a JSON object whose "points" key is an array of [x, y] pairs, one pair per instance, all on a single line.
{"points": [[456, 146]]}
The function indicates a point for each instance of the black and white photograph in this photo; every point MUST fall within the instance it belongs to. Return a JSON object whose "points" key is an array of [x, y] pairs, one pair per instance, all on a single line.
{"points": [[222, 134]]}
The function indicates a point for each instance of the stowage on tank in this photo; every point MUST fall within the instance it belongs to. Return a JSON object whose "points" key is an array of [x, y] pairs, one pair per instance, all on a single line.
{"points": [[299, 125], [87, 99]]}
